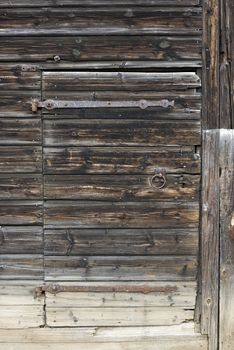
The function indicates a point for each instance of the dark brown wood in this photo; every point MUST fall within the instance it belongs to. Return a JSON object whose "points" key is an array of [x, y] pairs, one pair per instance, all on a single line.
{"points": [[211, 37], [210, 236], [71, 132], [226, 323], [121, 242], [91, 214], [21, 213], [21, 186], [21, 159], [121, 160], [104, 268], [21, 240], [14, 131], [120, 188], [160, 49], [101, 21]]}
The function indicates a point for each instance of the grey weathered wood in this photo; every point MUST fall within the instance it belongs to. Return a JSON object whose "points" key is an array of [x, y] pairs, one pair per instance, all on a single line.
{"points": [[210, 236], [175, 50], [121, 241], [20, 131], [226, 319], [120, 268], [21, 267], [100, 21], [91, 214], [71, 132], [21, 240], [21, 212], [120, 160], [21, 186]]}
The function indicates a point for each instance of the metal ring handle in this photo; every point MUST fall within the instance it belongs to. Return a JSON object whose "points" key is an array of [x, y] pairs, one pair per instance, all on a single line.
{"points": [[161, 181]]}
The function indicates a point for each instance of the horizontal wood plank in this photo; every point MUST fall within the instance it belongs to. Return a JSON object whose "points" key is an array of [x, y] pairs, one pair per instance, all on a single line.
{"points": [[20, 131], [99, 48], [96, 132], [62, 3], [21, 186], [26, 316], [22, 294], [118, 268], [21, 212], [121, 241], [101, 21], [91, 214], [21, 267], [66, 83], [121, 187], [20, 159], [21, 240], [86, 160], [183, 296]]}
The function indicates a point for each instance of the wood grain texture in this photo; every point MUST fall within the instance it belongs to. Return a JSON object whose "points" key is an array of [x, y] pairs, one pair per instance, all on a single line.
{"points": [[121, 241], [21, 240], [20, 131], [210, 236], [20, 159], [183, 296], [22, 294], [68, 83], [226, 319], [21, 186], [21, 267], [95, 132], [160, 49], [101, 21], [62, 3], [23, 316], [117, 316], [21, 212], [119, 268], [92, 214], [122, 160]]}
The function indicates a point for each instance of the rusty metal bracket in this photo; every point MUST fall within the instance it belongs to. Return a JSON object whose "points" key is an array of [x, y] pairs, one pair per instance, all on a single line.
{"points": [[57, 288], [60, 104]]}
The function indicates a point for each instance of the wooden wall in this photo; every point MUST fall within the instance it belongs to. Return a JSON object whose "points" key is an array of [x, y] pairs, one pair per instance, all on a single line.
{"points": [[77, 207]]}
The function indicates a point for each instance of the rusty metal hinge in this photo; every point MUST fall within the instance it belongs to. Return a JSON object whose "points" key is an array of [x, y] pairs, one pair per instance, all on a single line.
{"points": [[57, 288], [60, 104]]}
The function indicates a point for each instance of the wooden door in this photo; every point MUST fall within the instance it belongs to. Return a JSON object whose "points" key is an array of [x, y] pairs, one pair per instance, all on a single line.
{"points": [[121, 180]]}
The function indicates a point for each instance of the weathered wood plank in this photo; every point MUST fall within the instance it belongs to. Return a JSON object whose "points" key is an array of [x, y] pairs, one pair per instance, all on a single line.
{"points": [[101, 21], [99, 48], [175, 334], [21, 294], [210, 236], [21, 240], [183, 296], [117, 316], [26, 316], [62, 3], [20, 131], [119, 188], [21, 212], [119, 268], [126, 242], [21, 186], [122, 160], [68, 83], [21, 159], [17, 89], [96, 132], [92, 214], [20, 267], [171, 343], [211, 49], [226, 318]]}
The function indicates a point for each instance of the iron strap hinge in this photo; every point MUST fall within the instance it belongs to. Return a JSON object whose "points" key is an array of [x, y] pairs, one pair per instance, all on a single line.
{"points": [[57, 104]]}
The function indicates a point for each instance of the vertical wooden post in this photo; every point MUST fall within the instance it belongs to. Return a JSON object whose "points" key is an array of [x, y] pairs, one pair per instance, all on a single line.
{"points": [[210, 236], [226, 323]]}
